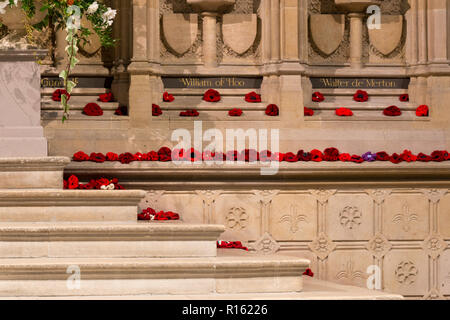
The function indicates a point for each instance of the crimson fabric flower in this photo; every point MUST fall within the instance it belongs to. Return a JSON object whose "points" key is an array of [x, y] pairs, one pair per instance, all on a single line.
{"points": [[404, 97], [345, 157], [382, 156], [265, 156], [361, 96], [168, 97], [208, 155], [190, 113], [308, 273], [139, 156], [153, 156], [121, 111], [211, 96], [408, 156], [253, 97], [422, 111], [165, 154], [235, 113], [272, 110], [303, 156], [146, 214], [80, 156], [97, 157], [111, 156], [106, 97], [126, 158], [438, 156], [56, 96], [344, 112], [308, 112], [73, 182], [316, 155], [290, 157], [331, 154], [156, 110], [231, 245], [395, 158], [195, 155], [423, 157], [65, 184], [249, 155], [392, 111], [93, 110], [317, 97], [356, 159]]}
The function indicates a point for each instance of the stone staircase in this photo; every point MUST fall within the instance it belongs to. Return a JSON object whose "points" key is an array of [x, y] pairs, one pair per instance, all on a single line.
{"points": [[50, 238]]}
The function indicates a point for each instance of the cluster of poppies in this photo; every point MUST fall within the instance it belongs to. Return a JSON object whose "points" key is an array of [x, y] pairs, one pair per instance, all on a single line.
{"points": [[73, 183], [150, 214], [362, 96], [231, 245], [249, 155], [214, 96], [92, 109]]}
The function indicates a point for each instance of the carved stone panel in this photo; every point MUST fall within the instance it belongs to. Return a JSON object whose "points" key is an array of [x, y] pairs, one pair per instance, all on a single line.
{"points": [[180, 31], [350, 217], [327, 31], [293, 217], [349, 267], [406, 272], [444, 216], [189, 206], [444, 276], [239, 31], [406, 217]]}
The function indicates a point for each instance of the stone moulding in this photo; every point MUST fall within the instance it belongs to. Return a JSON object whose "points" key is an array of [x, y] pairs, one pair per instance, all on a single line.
{"points": [[167, 176], [327, 31]]}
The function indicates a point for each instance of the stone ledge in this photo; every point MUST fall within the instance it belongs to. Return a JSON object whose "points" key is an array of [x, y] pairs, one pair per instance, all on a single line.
{"points": [[33, 163], [167, 176]]}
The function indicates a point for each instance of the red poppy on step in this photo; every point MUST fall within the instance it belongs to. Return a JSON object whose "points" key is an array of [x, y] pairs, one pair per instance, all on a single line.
{"points": [[317, 97], [93, 110], [56, 96], [272, 110], [168, 97], [156, 110], [235, 113], [392, 111], [106, 97], [253, 97], [422, 111], [344, 112], [404, 97], [361, 96], [308, 112], [211, 96]]}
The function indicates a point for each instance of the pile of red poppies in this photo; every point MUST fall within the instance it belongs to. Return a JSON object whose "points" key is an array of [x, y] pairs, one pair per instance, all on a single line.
{"points": [[150, 214], [231, 245], [73, 183], [165, 154]]}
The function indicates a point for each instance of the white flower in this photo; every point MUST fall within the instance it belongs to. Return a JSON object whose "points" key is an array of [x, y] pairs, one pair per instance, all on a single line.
{"points": [[109, 16], [92, 8], [4, 4]]}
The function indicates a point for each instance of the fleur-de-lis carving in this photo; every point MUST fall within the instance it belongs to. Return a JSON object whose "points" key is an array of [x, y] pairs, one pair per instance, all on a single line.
{"points": [[406, 218], [349, 272], [294, 219]]}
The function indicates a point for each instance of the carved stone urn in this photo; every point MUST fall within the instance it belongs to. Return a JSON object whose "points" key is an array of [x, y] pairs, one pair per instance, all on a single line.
{"points": [[209, 10], [15, 19], [356, 12]]}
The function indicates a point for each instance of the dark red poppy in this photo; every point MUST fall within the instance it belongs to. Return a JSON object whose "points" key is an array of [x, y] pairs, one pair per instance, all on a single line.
{"points": [[395, 158], [316, 155], [361, 96], [303, 156], [423, 157], [344, 112], [111, 156], [152, 156], [408, 156], [97, 157], [80, 156], [168, 97], [165, 154], [308, 112], [392, 111], [422, 111], [126, 158], [73, 182], [56, 96], [272, 110], [156, 110], [404, 97], [438, 156], [331, 154], [121, 111], [253, 97], [235, 113], [265, 156], [211, 96], [139, 156], [356, 159], [190, 113], [308, 273], [290, 157], [317, 97], [195, 155], [382, 156], [249, 155], [93, 110], [106, 97]]}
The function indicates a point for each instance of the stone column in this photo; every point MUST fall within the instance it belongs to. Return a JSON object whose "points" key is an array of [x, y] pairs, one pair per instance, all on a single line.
{"points": [[140, 94], [356, 39], [422, 31], [21, 133], [275, 30], [209, 39]]}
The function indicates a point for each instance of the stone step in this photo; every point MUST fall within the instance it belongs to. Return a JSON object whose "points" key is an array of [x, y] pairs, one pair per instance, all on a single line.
{"points": [[108, 240], [228, 273], [369, 106], [69, 205], [365, 115], [189, 102], [200, 92]]}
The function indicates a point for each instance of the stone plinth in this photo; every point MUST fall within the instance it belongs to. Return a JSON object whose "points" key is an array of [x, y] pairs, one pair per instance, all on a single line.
{"points": [[21, 133]]}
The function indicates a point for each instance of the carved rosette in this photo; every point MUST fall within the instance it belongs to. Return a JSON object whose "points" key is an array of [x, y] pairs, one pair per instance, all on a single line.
{"points": [[322, 246], [434, 245], [266, 244], [378, 246]]}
